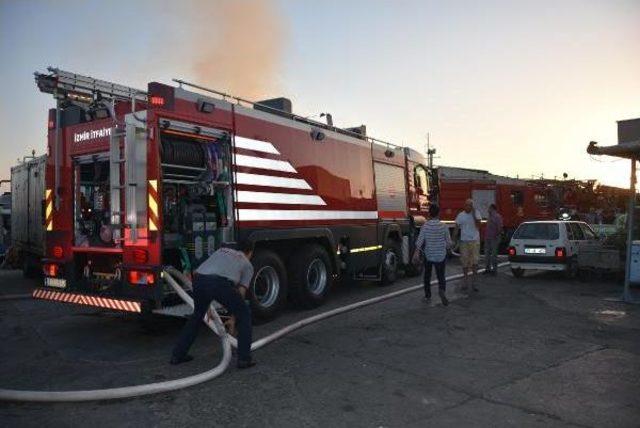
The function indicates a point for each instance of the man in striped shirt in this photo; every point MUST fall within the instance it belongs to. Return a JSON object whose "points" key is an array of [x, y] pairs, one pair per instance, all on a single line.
{"points": [[432, 243]]}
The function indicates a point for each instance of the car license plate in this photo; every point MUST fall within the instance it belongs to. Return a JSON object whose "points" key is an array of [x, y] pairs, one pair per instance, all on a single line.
{"points": [[535, 251], [55, 282]]}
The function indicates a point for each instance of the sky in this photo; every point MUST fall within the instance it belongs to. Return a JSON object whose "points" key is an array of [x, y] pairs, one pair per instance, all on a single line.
{"points": [[518, 88]]}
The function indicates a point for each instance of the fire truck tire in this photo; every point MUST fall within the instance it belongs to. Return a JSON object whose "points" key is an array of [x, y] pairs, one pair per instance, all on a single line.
{"points": [[311, 276], [268, 291], [390, 262]]}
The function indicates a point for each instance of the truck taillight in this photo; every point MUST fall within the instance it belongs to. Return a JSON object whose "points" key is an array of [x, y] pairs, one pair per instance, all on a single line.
{"points": [[141, 278], [50, 269], [140, 256], [511, 251], [561, 253], [58, 252]]}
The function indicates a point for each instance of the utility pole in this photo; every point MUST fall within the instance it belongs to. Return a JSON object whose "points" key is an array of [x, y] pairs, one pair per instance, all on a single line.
{"points": [[626, 294], [430, 153]]}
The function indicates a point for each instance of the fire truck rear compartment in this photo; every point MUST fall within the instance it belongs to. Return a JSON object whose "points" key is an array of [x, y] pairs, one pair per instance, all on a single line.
{"points": [[196, 198], [97, 272], [92, 202]]}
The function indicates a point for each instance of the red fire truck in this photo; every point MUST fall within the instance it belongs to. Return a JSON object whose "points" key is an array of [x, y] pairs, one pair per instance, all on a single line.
{"points": [[517, 200], [139, 180]]}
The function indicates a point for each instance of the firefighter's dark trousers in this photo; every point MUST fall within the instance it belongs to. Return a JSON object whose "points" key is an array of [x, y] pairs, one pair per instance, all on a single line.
{"points": [[205, 289]]}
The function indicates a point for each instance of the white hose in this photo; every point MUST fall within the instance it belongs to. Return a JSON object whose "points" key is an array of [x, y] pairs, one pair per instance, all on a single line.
{"points": [[319, 317], [137, 390], [227, 341]]}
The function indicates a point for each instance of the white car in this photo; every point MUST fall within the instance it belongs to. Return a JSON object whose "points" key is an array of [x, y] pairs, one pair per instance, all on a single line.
{"points": [[548, 245]]}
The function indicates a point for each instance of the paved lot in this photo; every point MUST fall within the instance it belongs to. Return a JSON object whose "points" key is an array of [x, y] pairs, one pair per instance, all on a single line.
{"points": [[540, 351]]}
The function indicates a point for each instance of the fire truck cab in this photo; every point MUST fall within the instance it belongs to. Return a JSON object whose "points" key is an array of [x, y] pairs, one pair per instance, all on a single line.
{"points": [[140, 180]]}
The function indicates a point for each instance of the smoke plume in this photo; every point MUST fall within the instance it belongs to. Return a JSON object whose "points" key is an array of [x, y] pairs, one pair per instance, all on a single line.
{"points": [[237, 46]]}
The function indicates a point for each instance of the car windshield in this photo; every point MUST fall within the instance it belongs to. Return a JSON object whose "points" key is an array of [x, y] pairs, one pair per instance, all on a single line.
{"points": [[546, 231]]}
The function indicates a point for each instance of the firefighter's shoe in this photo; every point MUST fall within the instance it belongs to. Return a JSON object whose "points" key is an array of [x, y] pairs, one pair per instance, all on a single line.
{"points": [[179, 360], [245, 364]]}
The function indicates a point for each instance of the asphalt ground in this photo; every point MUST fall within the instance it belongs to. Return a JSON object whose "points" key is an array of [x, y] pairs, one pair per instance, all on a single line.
{"points": [[539, 351]]}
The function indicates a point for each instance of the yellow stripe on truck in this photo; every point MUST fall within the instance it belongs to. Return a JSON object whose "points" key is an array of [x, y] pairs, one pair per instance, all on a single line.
{"points": [[48, 217], [364, 249], [153, 205]]}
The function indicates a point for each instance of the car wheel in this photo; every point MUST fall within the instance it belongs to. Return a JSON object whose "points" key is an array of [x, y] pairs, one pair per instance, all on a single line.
{"points": [[390, 263], [518, 273], [268, 290], [311, 276], [572, 270]]}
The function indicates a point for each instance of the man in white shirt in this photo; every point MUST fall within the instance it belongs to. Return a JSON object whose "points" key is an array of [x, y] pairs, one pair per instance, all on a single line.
{"points": [[468, 224]]}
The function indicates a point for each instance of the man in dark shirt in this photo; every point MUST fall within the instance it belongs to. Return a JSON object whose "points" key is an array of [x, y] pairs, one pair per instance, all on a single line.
{"points": [[492, 236], [224, 277]]}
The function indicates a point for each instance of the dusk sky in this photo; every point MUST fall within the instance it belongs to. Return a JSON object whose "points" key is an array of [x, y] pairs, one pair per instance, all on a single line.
{"points": [[514, 87]]}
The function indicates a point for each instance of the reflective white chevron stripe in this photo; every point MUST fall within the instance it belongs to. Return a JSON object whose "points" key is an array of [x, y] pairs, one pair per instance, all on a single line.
{"points": [[254, 162], [256, 145], [271, 181], [278, 198], [292, 215]]}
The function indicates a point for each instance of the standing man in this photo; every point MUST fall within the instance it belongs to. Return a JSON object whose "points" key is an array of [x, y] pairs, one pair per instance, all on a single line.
{"points": [[468, 225], [432, 243], [224, 277], [492, 236]]}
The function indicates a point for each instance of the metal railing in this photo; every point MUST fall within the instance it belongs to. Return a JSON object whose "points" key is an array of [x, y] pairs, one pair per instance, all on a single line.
{"points": [[251, 104]]}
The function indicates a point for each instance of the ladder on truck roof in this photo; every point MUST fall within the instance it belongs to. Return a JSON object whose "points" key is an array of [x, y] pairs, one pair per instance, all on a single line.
{"points": [[61, 83]]}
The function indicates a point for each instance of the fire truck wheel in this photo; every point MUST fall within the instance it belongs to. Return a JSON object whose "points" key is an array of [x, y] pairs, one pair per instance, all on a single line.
{"points": [[311, 276], [268, 290], [390, 263]]}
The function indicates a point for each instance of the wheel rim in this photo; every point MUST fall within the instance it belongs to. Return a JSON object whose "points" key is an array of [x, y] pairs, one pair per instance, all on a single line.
{"points": [[317, 277], [266, 286], [391, 261]]}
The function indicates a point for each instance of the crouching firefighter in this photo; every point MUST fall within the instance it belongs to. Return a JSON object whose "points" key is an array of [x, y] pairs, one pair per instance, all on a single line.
{"points": [[224, 277]]}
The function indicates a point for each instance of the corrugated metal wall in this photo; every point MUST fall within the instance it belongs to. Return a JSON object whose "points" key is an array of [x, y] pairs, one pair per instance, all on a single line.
{"points": [[390, 187], [27, 194]]}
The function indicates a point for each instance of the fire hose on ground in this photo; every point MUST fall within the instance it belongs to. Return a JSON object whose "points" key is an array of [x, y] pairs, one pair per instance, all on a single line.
{"points": [[218, 328]]}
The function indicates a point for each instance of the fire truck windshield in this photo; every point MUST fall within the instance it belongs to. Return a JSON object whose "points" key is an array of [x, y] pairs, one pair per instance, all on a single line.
{"points": [[422, 180]]}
